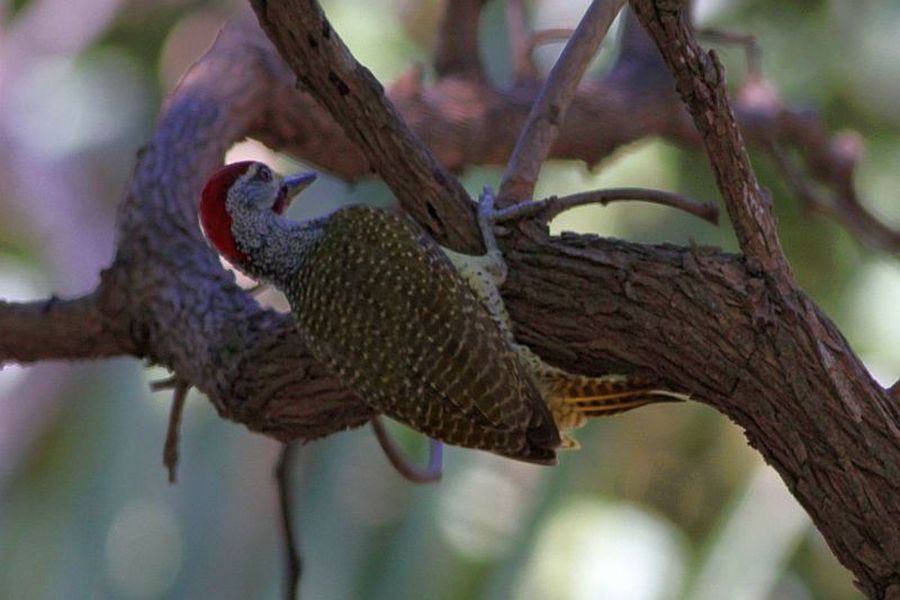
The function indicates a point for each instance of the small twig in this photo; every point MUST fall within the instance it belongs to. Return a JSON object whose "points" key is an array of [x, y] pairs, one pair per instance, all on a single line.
{"points": [[747, 41], [429, 474], [283, 470], [842, 206], [523, 43], [170, 450], [809, 200], [549, 109], [546, 36], [168, 383], [551, 207]]}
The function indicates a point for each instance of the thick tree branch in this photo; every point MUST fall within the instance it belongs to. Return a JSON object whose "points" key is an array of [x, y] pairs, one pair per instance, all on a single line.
{"points": [[356, 100], [696, 319], [185, 311], [57, 329], [818, 457]]}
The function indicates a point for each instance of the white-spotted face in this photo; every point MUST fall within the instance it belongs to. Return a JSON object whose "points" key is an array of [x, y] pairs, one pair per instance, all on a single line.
{"points": [[244, 192], [259, 188]]}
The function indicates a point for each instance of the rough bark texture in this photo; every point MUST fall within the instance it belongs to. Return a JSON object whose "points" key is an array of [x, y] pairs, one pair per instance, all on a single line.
{"points": [[732, 330]]}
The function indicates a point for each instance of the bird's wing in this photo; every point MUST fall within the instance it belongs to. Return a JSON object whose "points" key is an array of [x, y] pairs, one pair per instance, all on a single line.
{"points": [[381, 304]]}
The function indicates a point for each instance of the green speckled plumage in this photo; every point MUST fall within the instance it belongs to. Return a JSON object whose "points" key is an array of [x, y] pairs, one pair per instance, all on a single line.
{"points": [[379, 303], [420, 333]]}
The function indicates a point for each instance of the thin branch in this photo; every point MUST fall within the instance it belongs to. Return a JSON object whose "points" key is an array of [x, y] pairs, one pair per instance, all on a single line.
{"points": [[517, 28], [170, 450], [746, 41], [169, 383], [549, 109], [283, 469], [327, 69], [547, 36], [548, 209], [700, 80], [844, 208], [410, 472], [457, 51]]}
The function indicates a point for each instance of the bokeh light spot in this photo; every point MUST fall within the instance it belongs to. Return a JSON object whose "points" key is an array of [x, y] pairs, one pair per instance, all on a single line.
{"points": [[594, 550], [64, 105], [143, 550]]}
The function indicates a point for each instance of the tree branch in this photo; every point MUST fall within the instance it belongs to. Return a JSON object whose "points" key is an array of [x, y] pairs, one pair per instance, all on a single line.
{"points": [[466, 122], [457, 51], [815, 456], [287, 460], [173, 432], [696, 319], [700, 80], [184, 310], [327, 69], [843, 203], [55, 329], [549, 109], [549, 208]]}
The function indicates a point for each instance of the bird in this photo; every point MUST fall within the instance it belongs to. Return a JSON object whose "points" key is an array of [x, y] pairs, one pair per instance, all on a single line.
{"points": [[417, 331], [377, 301]]}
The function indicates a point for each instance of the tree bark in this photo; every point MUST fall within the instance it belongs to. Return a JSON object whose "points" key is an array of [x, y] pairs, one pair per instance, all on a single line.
{"points": [[733, 330]]}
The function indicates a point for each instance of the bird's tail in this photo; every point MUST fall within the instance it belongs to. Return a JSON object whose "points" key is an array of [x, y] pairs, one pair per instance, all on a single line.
{"points": [[573, 399]]}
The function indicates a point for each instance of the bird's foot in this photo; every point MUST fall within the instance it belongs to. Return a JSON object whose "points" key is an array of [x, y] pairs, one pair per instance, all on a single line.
{"points": [[515, 212], [492, 261]]}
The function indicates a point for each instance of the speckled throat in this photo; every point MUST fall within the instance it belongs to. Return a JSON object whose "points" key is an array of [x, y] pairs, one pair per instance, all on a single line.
{"points": [[276, 246]]}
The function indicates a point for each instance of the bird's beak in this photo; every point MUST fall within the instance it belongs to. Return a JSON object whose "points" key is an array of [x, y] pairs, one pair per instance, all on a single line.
{"points": [[291, 186]]}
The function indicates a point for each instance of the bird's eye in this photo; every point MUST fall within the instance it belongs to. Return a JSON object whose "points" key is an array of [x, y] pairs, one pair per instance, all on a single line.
{"points": [[264, 173]]}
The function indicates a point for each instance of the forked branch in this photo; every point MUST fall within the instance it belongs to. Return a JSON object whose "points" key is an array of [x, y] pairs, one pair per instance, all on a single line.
{"points": [[771, 361], [549, 109], [327, 69]]}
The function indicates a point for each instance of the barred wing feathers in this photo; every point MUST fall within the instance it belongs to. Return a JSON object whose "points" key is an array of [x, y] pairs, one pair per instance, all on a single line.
{"points": [[378, 302]]}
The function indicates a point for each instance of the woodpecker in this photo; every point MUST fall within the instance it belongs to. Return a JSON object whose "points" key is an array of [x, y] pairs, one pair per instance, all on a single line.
{"points": [[418, 332]]}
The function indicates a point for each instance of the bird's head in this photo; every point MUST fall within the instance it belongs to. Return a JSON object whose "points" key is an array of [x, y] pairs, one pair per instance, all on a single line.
{"points": [[241, 189]]}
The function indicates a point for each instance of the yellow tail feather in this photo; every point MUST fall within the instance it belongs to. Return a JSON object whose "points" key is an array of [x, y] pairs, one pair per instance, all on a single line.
{"points": [[573, 399]]}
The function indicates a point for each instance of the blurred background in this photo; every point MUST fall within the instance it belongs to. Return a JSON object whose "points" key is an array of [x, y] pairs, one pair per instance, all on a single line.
{"points": [[664, 503]]}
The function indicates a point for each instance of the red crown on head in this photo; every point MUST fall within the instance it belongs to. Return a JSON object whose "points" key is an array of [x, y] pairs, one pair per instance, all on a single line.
{"points": [[214, 218]]}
